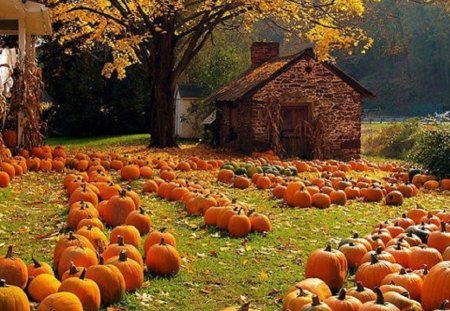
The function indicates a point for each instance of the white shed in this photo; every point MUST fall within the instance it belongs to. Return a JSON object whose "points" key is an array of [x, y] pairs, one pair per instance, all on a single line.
{"points": [[186, 126]]}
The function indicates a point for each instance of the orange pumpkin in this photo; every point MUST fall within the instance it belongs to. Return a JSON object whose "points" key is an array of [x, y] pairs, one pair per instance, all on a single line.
{"points": [[13, 270], [163, 259], [328, 265]]}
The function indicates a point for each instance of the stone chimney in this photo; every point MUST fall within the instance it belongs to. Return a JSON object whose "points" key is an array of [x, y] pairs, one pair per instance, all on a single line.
{"points": [[263, 52]]}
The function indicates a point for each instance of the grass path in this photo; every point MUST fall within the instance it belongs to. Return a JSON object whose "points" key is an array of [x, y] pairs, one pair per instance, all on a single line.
{"points": [[217, 271]]}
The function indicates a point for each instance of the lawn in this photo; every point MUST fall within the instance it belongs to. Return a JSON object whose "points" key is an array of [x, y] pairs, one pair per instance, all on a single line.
{"points": [[217, 271]]}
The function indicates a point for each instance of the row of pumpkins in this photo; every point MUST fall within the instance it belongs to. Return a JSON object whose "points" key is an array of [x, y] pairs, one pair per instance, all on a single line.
{"points": [[88, 270], [217, 209], [404, 264]]}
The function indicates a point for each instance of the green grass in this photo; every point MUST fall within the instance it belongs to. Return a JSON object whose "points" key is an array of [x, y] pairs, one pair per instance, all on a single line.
{"points": [[217, 271], [99, 142]]}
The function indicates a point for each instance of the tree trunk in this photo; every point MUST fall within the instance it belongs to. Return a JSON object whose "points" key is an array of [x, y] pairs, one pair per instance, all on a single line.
{"points": [[163, 86]]}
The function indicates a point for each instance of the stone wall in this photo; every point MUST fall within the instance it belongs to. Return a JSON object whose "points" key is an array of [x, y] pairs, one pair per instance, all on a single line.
{"points": [[330, 98]]}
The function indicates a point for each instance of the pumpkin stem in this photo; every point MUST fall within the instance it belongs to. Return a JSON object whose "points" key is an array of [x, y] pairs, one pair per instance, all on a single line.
{"points": [[443, 305], [71, 236], [2, 283], [356, 235], [101, 260], [83, 274], [425, 270], [402, 271], [162, 242], [379, 250], [89, 227], [301, 292], [120, 240], [141, 210], [380, 297], [245, 307], [443, 227], [373, 259], [162, 230], [36, 263], [342, 294], [73, 269], [9, 252], [351, 244], [123, 193], [315, 301], [328, 248], [398, 246], [360, 287], [123, 256]]}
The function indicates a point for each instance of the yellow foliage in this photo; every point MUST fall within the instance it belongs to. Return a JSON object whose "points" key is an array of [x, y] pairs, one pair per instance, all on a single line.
{"points": [[130, 27]]}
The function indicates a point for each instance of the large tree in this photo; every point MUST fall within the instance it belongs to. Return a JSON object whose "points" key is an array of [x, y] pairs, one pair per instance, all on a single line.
{"points": [[164, 36]]}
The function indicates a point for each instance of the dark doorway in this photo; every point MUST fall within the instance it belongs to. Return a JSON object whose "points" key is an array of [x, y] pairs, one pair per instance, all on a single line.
{"points": [[293, 138]]}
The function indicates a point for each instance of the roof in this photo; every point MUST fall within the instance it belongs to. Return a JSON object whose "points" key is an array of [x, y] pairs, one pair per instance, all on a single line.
{"points": [[35, 15], [191, 91], [255, 78]]}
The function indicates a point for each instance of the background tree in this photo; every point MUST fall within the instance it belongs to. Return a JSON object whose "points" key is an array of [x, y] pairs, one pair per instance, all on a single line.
{"points": [[164, 36]]}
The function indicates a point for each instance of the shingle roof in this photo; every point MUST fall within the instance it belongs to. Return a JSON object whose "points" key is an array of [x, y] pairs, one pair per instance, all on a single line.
{"points": [[255, 78]]}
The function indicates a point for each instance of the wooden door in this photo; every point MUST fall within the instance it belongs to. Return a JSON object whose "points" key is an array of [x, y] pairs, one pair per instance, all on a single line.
{"points": [[292, 136]]}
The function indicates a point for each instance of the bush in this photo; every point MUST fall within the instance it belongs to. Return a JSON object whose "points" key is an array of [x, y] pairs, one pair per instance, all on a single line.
{"points": [[432, 150], [393, 141]]}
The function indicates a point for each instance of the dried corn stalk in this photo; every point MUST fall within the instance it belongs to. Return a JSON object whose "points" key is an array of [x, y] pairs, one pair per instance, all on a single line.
{"points": [[26, 105], [274, 123]]}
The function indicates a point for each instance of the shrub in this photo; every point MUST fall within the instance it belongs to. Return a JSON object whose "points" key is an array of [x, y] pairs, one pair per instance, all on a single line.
{"points": [[393, 141], [432, 149]]}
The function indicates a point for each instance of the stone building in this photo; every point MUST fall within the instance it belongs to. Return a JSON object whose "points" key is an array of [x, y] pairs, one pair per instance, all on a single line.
{"points": [[295, 105]]}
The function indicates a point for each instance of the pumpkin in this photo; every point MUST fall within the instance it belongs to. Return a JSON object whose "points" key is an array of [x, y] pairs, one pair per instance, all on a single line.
{"points": [[91, 221], [150, 187], [110, 281], [86, 290], [316, 305], [4, 179], [436, 287], [260, 223], [410, 281], [343, 302], [115, 249], [400, 253], [353, 252], [63, 301], [155, 237], [379, 304], [118, 208], [70, 240], [416, 214], [42, 286], [140, 220], [423, 255], [392, 287], [37, 268], [439, 240], [132, 272], [163, 259], [79, 256], [372, 273], [372, 194], [13, 270], [279, 191], [73, 272], [362, 293], [296, 299], [239, 225], [394, 198], [211, 215], [321, 200], [328, 265], [263, 182], [291, 189], [356, 239], [302, 199], [129, 234], [338, 197], [85, 194], [94, 235], [402, 302], [130, 172], [404, 221], [313, 285], [12, 298], [381, 255], [76, 215]]}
